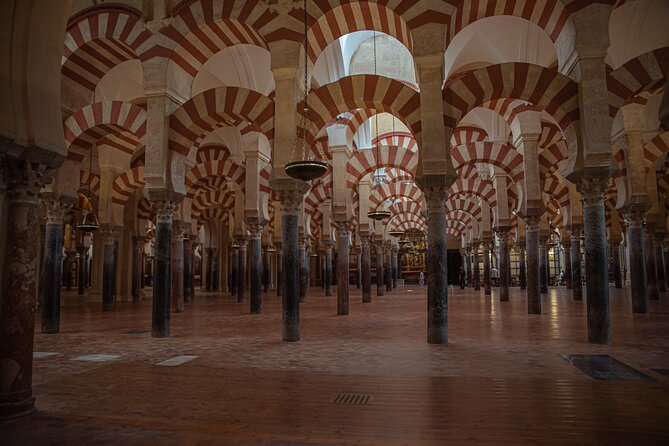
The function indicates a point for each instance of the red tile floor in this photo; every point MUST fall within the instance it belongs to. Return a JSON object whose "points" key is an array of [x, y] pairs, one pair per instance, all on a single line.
{"points": [[500, 380]]}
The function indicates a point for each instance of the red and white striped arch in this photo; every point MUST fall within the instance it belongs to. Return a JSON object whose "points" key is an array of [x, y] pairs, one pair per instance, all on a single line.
{"points": [[405, 207], [214, 108], [404, 190], [464, 203], [100, 38], [549, 15], [144, 211], [405, 222], [467, 134], [463, 217], [556, 189], [88, 179], [126, 184], [365, 161], [336, 21], [223, 168], [545, 88], [503, 156], [365, 91], [213, 214], [476, 187], [125, 122], [222, 199], [644, 73], [320, 191], [655, 148]]}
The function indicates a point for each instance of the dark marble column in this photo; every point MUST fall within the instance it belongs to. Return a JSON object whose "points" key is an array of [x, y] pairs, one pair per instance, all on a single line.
{"points": [[651, 267], [566, 246], [388, 279], [468, 255], [137, 247], [215, 268], [241, 270], [380, 271], [343, 239], [327, 278], [303, 271], [234, 269], [477, 268], [108, 276], [23, 181], [255, 242], [486, 268], [69, 273], [366, 270], [177, 289], [617, 273], [358, 274], [160, 320], [635, 245], [52, 264], [503, 235], [307, 266], [188, 268], [533, 248], [659, 261], [575, 256], [279, 273], [596, 264], [522, 268], [290, 204], [266, 271], [81, 270], [395, 274], [543, 267], [437, 272]]}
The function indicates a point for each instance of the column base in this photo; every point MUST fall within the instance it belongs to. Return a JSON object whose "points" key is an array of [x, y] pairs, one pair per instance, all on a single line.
{"points": [[17, 409]]}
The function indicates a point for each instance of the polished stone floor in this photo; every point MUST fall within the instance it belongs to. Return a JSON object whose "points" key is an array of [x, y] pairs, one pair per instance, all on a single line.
{"points": [[225, 376]]}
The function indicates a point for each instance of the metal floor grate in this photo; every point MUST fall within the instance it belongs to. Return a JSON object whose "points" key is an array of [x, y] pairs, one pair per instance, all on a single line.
{"points": [[352, 398]]}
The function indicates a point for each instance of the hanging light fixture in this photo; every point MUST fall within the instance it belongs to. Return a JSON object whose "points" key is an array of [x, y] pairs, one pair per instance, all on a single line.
{"points": [[90, 222], [235, 245], [271, 248], [379, 177], [305, 168], [395, 233], [378, 215]]}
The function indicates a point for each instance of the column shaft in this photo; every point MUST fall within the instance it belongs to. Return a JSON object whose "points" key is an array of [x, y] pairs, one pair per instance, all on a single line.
{"points": [[241, 271], [52, 271], [303, 271], [137, 245], [486, 269], [532, 246], [256, 271], [543, 268], [380, 271], [290, 266], [366, 271], [651, 267], [389, 270], [177, 291], [576, 282], [617, 274], [328, 270], [81, 272], [637, 262], [343, 236], [108, 278], [659, 261], [477, 269], [504, 266], [234, 271], [188, 269], [522, 269], [437, 272], [567, 264], [160, 320]]}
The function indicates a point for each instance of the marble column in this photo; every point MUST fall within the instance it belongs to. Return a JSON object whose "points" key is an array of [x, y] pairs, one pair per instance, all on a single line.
{"points": [[437, 272], [637, 260], [215, 268], [160, 320], [69, 273], [659, 260], [366, 270], [596, 264], [241, 270], [137, 246], [503, 236], [575, 256], [477, 268], [566, 246], [81, 270], [468, 254], [343, 238], [651, 267], [52, 264], [290, 204], [533, 248], [327, 278], [543, 267], [23, 181], [303, 273], [177, 289], [266, 271], [380, 271], [234, 269], [617, 274], [358, 274], [388, 277], [395, 265], [188, 268], [279, 273], [255, 242], [486, 268], [522, 269], [108, 277]]}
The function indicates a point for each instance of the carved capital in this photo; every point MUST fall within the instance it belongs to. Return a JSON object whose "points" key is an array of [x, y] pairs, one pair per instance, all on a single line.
{"points": [[55, 212], [255, 230], [436, 198], [290, 201], [575, 234], [164, 210], [23, 179], [634, 216], [344, 228], [532, 223], [593, 190], [109, 235]]}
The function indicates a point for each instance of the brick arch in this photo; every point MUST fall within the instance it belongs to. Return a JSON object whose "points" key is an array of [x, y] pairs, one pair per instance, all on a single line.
{"points": [[655, 148], [404, 222], [124, 121], [405, 206], [547, 89], [222, 199], [223, 168], [98, 39], [365, 161], [463, 217], [466, 134], [337, 21], [364, 91], [126, 184], [646, 72], [217, 107], [556, 189], [319, 192], [462, 202], [476, 187], [397, 189], [504, 156]]}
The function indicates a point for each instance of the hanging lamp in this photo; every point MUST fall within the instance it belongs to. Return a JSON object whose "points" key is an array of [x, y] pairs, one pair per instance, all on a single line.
{"points": [[271, 248], [90, 222], [305, 168], [379, 215], [395, 233]]}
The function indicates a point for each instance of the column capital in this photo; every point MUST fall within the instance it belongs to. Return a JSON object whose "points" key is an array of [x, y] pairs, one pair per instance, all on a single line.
{"points": [[164, 210], [436, 198], [291, 201], [344, 228], [55, 211], [593, 190], [23, 179], [255, 229], [532, 223], [109, 234], [634, 215]]}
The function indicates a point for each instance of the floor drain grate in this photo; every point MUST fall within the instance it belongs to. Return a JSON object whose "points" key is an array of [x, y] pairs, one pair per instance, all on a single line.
{"points": [[352, 398]]}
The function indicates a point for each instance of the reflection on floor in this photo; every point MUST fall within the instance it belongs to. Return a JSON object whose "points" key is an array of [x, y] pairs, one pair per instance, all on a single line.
{"points": [[231, 380]]}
